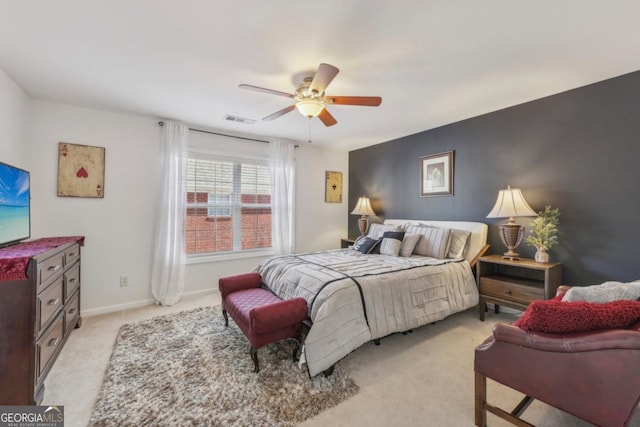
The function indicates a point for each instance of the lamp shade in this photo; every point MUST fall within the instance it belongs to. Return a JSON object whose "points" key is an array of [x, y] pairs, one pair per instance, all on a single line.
{"points": [[510, 204], [309, 107], [363, 207]]}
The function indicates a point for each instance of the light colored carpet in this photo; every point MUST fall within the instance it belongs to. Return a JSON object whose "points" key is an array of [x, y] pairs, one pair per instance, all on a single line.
{"points": [[420, 379], [188, 369]]}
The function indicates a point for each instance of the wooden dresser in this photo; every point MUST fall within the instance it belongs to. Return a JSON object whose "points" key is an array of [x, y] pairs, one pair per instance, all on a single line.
{"points": [[37, 313]]}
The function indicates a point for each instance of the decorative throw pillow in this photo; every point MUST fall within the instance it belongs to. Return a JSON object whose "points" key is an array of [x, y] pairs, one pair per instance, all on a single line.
{"points": [[376, 230], [606, 292], [434, 242], [391, 242], [408, 244], [568, 317], [459, 243], [365, 244]]}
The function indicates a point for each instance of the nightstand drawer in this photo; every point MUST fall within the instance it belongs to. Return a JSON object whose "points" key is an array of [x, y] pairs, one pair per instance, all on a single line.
{"points": [[522, 291]]}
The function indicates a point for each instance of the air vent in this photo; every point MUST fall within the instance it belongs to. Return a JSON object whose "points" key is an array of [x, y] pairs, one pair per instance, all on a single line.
{"points": [[239, 119]]}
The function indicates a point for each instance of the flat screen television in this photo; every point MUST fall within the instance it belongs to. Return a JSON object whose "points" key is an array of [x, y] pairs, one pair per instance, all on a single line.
{"points": [[15, 205]]}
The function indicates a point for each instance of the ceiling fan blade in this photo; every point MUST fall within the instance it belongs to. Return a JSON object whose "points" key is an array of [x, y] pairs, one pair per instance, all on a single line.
{"points": [[370, 101], [265, 90], [323, 77], [282, 112], [326, 118]]}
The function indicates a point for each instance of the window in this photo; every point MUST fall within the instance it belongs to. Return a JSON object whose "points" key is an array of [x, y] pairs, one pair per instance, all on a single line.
{"points": [[228, 205]]}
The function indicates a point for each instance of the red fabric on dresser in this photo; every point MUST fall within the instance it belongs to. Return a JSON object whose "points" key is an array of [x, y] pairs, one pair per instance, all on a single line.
{"points": [[555, 316], [15, 259]]}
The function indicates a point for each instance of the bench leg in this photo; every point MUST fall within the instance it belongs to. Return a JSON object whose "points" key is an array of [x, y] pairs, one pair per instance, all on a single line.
{"points": [[226, 317], [295, 350], [254, 355], [480, 399]]}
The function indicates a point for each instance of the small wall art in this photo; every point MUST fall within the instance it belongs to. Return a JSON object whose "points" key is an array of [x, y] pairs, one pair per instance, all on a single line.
{"points": [[80, 170], [436, 174], [333, 187]]}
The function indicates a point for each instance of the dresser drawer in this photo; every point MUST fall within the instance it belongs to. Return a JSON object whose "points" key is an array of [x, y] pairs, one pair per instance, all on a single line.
{"points": [[71, 255], [49, 344], [516, 290], [49, 302], [49, 268], [71, 281], [72, 313]]}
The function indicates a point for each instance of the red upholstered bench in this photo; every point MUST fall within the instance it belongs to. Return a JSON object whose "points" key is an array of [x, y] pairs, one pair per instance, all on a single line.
{"points": [[263, 317]]}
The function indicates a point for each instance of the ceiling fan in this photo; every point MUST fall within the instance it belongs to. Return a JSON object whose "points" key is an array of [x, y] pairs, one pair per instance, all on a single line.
{"points": [[311, 100]]}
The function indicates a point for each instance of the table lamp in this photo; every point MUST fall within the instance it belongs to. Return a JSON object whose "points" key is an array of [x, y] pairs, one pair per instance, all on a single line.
{"points": [[363, 207], [511, 204]]}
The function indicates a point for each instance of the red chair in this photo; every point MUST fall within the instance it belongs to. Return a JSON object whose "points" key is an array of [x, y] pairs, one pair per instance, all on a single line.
{"points": [[593, 375]]}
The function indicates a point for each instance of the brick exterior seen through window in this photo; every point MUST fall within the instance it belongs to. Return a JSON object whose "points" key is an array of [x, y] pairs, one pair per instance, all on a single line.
{"points": [[206, 234]]}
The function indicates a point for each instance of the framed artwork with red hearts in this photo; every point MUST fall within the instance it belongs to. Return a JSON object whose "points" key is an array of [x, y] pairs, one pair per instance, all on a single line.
{"points": [[80, 170]]}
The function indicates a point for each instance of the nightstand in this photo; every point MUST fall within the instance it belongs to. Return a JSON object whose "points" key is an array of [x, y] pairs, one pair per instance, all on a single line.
{"points": [[515, 284], [345, 243]]}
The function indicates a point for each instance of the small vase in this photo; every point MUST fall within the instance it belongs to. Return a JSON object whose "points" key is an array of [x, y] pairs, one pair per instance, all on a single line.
{"points": [[542, 256]]}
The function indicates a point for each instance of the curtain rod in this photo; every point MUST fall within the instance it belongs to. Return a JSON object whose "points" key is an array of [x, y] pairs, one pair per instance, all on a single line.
{"points": [[223, 134]]}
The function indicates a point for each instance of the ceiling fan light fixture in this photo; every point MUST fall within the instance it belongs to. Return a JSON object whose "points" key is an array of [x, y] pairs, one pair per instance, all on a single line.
{"points": [[309, 107]]}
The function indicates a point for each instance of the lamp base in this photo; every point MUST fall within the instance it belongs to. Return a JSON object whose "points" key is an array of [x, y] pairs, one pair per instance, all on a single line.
{"points": [[511, 235], [362, 224], [511, 255]]}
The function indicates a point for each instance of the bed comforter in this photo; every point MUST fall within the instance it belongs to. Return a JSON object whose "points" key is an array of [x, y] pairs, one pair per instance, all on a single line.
{"points": [[354, 298]]}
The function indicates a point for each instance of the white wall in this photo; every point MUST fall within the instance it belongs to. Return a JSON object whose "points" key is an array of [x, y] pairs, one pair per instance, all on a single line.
{"points": [[13, 116], [119, 227]]}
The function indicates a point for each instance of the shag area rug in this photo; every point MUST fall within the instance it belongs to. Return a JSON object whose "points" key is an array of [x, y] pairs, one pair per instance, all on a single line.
{"points": [[188, 369]]}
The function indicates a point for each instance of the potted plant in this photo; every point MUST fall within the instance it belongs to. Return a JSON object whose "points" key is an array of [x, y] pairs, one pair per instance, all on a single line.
{"points": [[543, 233]]}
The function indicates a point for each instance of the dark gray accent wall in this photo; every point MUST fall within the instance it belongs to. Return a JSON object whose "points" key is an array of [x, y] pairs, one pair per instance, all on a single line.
{"points": [[577, 151]]}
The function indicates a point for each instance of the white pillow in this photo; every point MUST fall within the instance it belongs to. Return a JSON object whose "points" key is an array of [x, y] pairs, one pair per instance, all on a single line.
{"points": [[459, 244], [376, 230], [408, 244], [390, 247], [606, 292], [434, 242]]}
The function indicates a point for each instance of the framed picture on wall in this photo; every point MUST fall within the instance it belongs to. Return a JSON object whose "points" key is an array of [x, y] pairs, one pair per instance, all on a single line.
{"points": [[436, 174], [333, 187], [80, 170]]}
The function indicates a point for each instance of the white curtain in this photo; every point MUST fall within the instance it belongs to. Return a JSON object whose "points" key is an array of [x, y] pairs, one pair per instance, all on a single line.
{"points": [[282, 166], [167, 271]]}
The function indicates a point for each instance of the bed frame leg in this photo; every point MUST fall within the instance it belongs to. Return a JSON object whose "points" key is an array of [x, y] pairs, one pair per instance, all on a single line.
{"points": [[329, 371], [376, 342]]}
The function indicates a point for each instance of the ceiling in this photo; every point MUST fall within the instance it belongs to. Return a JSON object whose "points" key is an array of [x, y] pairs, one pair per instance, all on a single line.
{"points": [[432, 62]]}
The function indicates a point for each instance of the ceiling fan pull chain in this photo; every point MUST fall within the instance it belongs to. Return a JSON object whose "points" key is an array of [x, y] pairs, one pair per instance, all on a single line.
{"points": [[309, 140]]}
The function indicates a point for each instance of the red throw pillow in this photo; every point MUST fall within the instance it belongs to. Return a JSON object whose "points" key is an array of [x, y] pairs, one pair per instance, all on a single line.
{"points": [[578, 316]]}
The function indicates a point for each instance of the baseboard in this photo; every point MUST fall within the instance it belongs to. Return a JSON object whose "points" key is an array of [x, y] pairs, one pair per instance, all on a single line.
{"points": [[135, 304]]}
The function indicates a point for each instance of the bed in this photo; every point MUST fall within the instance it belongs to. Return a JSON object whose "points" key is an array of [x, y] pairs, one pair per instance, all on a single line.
{"points": [[354, 297]]}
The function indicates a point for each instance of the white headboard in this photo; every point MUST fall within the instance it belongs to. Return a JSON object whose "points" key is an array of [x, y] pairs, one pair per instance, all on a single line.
{"points": [[478, 238]]}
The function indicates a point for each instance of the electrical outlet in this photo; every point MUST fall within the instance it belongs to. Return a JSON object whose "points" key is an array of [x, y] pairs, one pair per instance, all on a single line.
{"points": [[124, 281]]}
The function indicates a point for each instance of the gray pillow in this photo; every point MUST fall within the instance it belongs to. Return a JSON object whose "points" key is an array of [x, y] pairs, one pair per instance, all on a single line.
{"points": [[459, 244], [408, 244]]}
